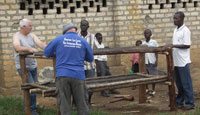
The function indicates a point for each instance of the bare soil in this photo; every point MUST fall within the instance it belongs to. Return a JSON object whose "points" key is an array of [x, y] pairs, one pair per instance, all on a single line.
{"points": [[157, 104]]}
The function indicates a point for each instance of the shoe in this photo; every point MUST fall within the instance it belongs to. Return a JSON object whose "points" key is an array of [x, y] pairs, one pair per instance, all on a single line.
{"points": [[104, 94], [113, 91], [34, 113], [151, 92], [180, 106], [73, 106], [187, 108], [147, 91]]}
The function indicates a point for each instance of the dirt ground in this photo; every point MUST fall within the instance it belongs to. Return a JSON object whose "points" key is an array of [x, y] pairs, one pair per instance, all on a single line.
{"points": [[157, 104]]}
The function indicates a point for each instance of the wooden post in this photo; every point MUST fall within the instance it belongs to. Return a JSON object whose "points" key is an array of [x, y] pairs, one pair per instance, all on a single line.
{"points": [[170, 69], [27, 102], [142, 88], [54, 68]]}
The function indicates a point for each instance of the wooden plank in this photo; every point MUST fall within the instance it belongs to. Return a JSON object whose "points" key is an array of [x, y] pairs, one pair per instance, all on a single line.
{"points": [[142, 88], [110, 51], [96, 87], [27, 102], [170, 67], [126, 50], [54, 68]]}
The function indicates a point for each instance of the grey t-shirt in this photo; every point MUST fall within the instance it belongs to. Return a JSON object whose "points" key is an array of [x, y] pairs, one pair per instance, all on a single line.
{"points": [[28, 42]]}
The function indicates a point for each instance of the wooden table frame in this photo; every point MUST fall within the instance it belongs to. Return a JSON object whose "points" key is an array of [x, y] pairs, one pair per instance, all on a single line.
{"points": [[112, 51]]}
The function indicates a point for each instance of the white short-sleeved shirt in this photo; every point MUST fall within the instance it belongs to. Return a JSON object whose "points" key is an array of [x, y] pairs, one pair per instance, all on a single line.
{"points": [[150, 58], [100, 57], [182, 36]]}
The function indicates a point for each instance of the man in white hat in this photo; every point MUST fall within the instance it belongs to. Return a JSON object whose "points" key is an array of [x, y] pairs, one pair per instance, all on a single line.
{"points": [[70, 50]]}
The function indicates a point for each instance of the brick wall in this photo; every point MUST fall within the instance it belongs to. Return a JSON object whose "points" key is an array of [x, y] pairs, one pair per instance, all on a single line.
{"points": [[121, 22]]}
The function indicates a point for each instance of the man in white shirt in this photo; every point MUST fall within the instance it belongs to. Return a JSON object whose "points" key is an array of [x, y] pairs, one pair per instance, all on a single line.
{"points": [[150, 58], [181, 57]]}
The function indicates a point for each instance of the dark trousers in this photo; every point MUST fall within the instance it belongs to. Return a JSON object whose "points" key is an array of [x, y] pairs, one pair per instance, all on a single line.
{"points": [[184, 84], [67, 87], [89, 74], [135, 67], [102, 68], [88, 95]]}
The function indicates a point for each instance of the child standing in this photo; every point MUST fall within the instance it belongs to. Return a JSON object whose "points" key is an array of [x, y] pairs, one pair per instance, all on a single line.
{"points": [[135, 59], [101, 64], [151, 59]]}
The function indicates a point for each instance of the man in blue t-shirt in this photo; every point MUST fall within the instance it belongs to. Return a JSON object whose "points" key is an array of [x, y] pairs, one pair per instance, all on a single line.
{"points": [[70, 50]]}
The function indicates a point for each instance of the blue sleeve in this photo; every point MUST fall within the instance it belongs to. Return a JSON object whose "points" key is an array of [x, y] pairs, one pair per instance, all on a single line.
{"points": [[89, 53], [49, 50]]}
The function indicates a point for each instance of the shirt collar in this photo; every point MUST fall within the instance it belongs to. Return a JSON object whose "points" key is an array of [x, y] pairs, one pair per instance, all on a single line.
{"points": [[88, 34], [149, 41], [181, 27]]}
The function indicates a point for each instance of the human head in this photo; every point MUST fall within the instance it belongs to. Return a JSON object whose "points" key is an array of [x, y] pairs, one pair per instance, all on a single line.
{"points": [[84, 25], [138, 43], [98, 37], [147, 34], [25, 26], [69, 26], [179, 19]]}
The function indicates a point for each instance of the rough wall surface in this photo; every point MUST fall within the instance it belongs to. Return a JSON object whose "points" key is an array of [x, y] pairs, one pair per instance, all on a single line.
{"points": [[121, 22]]}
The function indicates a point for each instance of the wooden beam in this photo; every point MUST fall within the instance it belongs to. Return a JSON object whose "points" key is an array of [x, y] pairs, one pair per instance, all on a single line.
{"points": [[170, 69], [126, 50], [24, 76], [54, 68], [142, 88]]}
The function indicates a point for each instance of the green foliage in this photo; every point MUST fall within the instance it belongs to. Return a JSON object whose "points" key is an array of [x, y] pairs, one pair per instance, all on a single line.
{"points": [[43, 111], [11, 106], [14, 106]]}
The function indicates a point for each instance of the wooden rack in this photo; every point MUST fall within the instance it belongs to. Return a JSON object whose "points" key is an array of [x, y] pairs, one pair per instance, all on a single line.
{"points": [[106, 82]]}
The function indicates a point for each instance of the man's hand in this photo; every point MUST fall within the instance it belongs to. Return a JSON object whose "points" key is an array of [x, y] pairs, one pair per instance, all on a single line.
{"points": [[33, 50]]}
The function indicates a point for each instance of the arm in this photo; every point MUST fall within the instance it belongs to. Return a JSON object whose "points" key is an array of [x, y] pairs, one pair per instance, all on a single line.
{"points": [[185, 41], [181, 46], [177, 46], [18, 47], [156, 44], [89, 54], [156, 63], [49, 50], [38, 42]]}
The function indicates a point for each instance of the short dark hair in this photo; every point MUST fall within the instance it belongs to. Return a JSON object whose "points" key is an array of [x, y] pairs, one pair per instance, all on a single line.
{"points": [[85, 21], [138, 42], [181, 14], [98, 34]]}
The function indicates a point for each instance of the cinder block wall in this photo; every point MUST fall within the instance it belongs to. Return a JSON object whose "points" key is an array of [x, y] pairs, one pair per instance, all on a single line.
{"points": [[121, 22]]}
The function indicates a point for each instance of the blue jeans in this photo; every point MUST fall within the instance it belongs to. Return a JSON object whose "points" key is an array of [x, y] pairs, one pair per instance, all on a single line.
{"points": [[184, 84], [32, 77]]}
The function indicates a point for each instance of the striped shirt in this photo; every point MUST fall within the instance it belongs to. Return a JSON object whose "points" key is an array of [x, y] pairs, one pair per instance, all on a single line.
{"points": [[91, 40]]}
